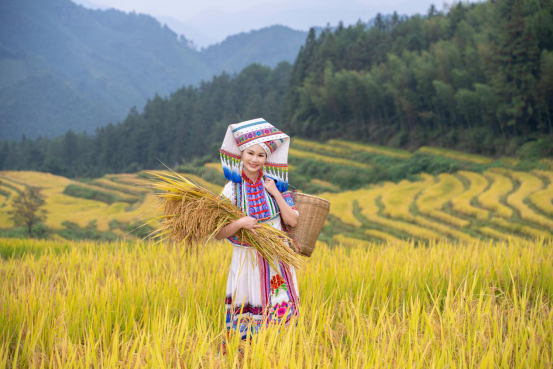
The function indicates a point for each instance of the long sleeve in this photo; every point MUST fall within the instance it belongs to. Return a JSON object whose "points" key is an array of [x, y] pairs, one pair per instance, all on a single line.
{"points": [[228, 192]]}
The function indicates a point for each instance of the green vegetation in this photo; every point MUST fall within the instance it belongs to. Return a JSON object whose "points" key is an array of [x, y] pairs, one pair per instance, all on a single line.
{"points": [[72, 231], [87, 213], [28, 208], [94, 194], [120, 304], [423, 195], [476, 79]]}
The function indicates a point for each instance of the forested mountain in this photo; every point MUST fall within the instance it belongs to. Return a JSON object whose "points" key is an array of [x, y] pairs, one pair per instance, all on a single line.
{"points": [[65, 67], [268, 46], [479, 79], [189, 123]]}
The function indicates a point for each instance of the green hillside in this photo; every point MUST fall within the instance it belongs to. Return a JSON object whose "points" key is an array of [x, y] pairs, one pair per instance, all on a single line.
{"points": [[377, 194], [64, 67], [477, 77]]}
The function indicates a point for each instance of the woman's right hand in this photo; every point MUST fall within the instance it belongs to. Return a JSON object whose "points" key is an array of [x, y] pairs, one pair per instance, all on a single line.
{"points": [[249, 223]]}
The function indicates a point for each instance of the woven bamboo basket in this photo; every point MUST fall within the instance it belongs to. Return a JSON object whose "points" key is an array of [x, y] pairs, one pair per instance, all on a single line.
{"points": [[313, 212]]}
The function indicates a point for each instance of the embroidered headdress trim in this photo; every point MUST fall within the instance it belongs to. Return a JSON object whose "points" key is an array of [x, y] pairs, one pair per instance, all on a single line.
{"points": [[274, 142]]}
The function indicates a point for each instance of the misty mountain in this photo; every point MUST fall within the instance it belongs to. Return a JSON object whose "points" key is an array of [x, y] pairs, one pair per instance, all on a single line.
{"points": [[267, 46], [63, 66]]}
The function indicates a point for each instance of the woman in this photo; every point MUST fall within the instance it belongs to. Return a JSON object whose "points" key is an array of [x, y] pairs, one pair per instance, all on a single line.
{"points": [[257, 294]]}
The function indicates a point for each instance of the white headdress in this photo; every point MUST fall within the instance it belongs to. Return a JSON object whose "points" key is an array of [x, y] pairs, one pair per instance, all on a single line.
{"points": [[242, 135]]}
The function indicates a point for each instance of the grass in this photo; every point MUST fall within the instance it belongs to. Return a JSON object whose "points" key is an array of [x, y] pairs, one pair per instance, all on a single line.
{"points": [[547, 162], [370, 210], [373, 149], [500, 186], [457, 155], [528, 184], [87, 304], [543, 199], [434, 198], [520, 228], [330, 148], [456, 205], [398, 198], [342, 206], [327, 159], [462, 203]]}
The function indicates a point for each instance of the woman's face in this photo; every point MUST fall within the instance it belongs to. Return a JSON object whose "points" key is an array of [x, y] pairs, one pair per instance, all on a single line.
{"points": [[253, 158]]}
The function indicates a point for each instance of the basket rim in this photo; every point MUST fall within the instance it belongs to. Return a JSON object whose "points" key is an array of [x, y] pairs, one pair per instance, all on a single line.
{"points": [[312, 196]]}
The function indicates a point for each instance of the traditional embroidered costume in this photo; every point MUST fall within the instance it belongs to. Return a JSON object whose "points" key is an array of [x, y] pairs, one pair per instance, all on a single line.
{"points": [[257, 295]]}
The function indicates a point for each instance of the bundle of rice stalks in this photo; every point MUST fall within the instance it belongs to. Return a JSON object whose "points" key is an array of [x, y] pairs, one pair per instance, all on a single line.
{"points": [[193, 215]]}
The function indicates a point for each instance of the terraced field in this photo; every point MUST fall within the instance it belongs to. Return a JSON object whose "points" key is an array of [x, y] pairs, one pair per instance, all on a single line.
{"points": [[495, 200], [133, 203], [326, 158], [461, 206]]}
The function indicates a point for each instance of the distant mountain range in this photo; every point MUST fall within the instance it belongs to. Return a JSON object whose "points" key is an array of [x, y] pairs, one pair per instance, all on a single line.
{"points": [[63, 66]]}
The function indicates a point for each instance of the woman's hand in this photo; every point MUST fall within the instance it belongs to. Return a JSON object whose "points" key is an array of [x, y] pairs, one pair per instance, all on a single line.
{"points": [[249, 223], [270, 186], [289, 215]]}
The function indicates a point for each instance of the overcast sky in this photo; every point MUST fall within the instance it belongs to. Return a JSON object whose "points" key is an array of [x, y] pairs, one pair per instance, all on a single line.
{"points": [[211, 21]]}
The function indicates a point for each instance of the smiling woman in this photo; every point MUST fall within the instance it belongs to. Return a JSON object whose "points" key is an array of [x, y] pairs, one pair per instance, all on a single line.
{"points": [[254, 157]]}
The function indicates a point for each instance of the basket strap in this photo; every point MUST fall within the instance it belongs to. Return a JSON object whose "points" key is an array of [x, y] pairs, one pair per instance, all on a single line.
{"points": [[285, 226], [289, 233]]}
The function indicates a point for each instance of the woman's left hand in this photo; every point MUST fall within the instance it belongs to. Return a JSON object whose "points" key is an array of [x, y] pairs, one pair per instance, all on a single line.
{"points": [[270, 186]]}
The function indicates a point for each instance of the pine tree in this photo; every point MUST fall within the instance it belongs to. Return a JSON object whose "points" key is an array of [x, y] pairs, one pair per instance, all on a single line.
{"points": [[517, 65]]}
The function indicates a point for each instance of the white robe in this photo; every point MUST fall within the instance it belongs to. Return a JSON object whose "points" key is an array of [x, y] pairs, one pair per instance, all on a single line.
{"points": [[254, 288]]}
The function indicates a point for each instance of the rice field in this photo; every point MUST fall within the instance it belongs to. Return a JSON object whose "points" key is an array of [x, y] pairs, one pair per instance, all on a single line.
{"points": [[453, 154], [528, 185], [452, 270], [433, 199], [327, 159], [500, 186], [313, 145], [370, 211], [136, 205], [463, 203], [374, 149], [463, 206], [457, 206], [326, 184], [133, 305], [543, 199]]}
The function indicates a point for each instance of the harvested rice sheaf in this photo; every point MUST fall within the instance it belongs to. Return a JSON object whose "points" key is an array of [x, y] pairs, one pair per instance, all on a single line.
{"points": [[193, 215]]}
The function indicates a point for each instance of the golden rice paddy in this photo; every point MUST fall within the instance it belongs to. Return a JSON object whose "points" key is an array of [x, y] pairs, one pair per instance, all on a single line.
{"points": [[451, 270], [327, 159], [382, 150], [117, 305], [457, 155], [459, 206], [487, 206]]}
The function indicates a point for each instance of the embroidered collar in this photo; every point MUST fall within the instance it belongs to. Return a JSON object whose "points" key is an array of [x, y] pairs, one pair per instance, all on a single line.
{"points": [[248, 180]]}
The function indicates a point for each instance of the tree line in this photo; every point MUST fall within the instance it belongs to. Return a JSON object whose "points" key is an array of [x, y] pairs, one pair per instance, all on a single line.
{"points": [[478, 77], [189, 123], [474, 78]]}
